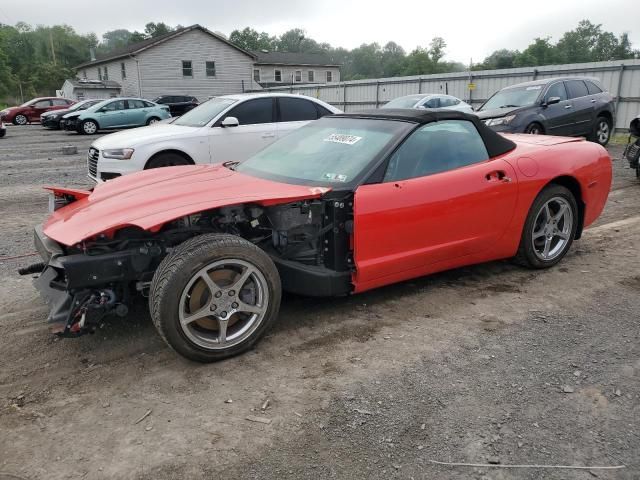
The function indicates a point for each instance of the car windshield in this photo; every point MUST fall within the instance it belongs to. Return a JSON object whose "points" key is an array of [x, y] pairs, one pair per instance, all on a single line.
{"points": [[403, 102], [83, 105], [30, 102], [513, 97], [328, 152], [204, 113]]}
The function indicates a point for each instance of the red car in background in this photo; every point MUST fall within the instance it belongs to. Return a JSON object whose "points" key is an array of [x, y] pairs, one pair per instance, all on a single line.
{"points": [[31, 111]]}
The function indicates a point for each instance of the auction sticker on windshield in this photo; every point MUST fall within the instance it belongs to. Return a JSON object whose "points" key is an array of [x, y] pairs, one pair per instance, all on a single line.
{"points": [[535, 87], [335, 177], [341, 138]]}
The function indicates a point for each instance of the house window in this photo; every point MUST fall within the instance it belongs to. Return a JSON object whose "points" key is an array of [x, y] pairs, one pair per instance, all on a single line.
{"points": [[84, 74], [80, 96], [99, 74], [123, 70], [187, 68], [278, 75], [298, 75], [310, 77], [211, 69], [256, 75], [329, 76], [106, 74]]}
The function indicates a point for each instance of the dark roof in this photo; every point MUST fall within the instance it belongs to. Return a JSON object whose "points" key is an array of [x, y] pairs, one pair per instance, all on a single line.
{"points": [[544, 81], [78, 82], [293, 58], [496, 144], [150, 42]]}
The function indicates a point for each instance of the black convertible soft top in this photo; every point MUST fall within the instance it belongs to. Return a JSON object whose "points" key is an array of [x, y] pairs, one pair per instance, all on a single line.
{"points": [[496, 144]]}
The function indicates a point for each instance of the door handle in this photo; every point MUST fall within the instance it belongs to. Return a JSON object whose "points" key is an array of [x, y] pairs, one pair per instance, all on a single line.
{"points": [[268, 135], [568, 106], [497, 176], [593, 100]]}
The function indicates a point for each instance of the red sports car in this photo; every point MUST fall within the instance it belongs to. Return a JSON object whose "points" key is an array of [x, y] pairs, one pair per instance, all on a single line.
{"points": [[31, 111], [345, 204]]}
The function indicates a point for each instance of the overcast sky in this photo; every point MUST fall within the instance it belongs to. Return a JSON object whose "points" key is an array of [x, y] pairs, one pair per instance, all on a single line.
{"points": [[472, 29]]}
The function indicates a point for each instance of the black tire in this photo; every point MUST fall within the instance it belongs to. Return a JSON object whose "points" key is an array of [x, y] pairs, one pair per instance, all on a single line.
{"points": [[534, 129], [527, 255], [88, 127], [178, 269], [3, 132], [168, 159], [20, 119], [601, 133], [152, 120]]}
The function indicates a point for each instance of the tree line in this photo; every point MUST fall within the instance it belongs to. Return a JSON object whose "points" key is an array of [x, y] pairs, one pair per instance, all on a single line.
{"points": [[36, 60]]}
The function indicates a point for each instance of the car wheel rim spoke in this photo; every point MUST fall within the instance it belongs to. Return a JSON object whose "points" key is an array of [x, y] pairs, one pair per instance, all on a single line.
{"points": [[552, 229], [223, 304]]}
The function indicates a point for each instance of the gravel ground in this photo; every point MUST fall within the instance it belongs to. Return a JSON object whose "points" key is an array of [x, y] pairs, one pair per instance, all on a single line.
{"points": [[491, 363]]}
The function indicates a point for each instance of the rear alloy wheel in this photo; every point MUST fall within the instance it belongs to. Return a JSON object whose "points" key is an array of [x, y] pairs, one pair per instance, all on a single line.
{"points": [[602, 132], [534, 129], [153, 120], [167, 160], [549, 229], [88, 127], [214, 296], [20, 120]]}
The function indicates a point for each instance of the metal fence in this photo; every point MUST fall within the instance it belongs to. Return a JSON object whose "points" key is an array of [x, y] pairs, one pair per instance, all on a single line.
{"points": [[621, 78]]}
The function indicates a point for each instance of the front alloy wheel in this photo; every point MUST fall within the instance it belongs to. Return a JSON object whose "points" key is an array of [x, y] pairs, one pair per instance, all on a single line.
{"points": [[214, 296], [89, 127], [20, 120]]}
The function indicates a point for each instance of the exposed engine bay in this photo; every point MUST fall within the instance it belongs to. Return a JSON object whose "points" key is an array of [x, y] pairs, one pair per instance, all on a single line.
{"points": [[309, 241]]}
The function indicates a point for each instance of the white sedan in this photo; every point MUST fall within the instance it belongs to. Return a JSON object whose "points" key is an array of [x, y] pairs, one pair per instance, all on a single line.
{"points": [[223, 129], [430, 100]]}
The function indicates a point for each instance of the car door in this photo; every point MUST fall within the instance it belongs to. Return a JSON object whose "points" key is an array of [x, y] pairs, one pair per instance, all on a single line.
{"points": [[256, 130], [583, 111], [293, 113], [37, 109], [136, 113], [112, 115], [558, 117], [442, 198]]}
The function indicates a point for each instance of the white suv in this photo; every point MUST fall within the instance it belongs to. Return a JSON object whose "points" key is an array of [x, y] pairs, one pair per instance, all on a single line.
{"points": [[227, 128]]}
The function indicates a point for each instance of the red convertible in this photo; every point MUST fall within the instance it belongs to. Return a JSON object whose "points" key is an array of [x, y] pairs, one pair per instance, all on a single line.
{"points": [[345, 204], [31, 110]]}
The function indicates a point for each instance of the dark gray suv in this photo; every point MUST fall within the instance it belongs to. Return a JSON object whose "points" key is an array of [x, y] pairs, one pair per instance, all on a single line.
{"points": [[568, 106]]}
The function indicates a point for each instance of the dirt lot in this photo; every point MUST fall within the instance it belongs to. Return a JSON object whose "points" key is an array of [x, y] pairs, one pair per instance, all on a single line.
{"points": [[492, 363]]}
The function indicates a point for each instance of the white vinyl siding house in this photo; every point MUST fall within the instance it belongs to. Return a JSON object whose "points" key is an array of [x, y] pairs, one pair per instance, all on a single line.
{"points": [[191, 61], [286, 68]]}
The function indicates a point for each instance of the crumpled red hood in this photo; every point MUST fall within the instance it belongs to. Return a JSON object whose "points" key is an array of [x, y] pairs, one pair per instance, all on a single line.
{"points": [[152, 198]]}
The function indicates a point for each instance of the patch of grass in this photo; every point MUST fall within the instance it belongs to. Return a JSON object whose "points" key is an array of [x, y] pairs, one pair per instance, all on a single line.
{"points": [[619, 139]]}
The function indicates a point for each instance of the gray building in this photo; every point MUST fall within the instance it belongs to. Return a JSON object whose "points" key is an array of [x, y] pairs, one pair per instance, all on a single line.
{"points": [[189, 61], [85, 89], [272, 69]]}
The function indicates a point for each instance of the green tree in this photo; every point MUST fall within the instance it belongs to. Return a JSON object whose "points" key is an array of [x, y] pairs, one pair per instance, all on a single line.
{"points": [[250, 39], [152, 30]]}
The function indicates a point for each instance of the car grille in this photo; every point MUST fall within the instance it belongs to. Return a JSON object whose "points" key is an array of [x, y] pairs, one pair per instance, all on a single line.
{"points": [[92, 161]]}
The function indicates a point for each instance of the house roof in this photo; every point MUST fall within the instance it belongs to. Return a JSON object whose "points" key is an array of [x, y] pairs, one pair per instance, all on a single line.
{"points": [[97, 84], [293, 58], [138, 47]]}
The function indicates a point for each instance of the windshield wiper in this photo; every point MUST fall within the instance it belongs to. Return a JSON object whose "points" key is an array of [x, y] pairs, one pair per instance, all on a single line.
{"points": [[231, 165], [508, 106]]}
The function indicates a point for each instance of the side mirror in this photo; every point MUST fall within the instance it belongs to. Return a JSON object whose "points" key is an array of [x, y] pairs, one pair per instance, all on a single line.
{"points": [[230, 122], [552, 100]]}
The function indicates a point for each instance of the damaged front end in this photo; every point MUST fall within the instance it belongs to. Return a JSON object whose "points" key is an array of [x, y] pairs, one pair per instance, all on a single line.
{"points": [[83, 285]]}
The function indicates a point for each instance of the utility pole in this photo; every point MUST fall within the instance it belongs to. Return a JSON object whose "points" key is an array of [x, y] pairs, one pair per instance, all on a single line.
{"points": [[53, 52]]}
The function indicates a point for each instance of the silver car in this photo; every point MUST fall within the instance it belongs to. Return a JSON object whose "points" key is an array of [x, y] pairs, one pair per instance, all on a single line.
{"points": [[430, 100]]}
